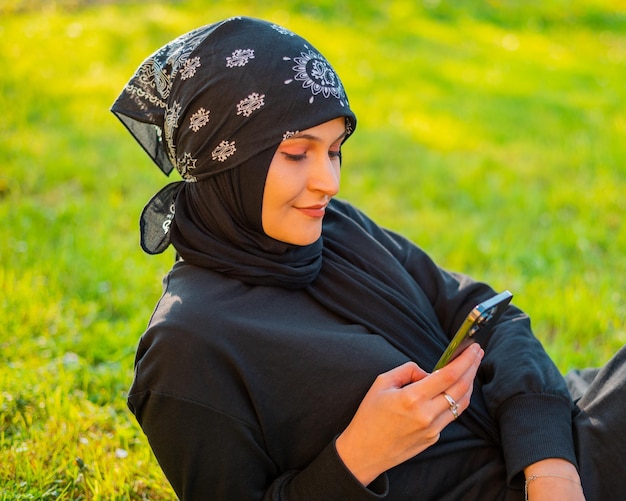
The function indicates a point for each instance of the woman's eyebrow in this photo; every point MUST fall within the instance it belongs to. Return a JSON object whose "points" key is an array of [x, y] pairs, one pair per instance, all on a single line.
{"points": [[312, 137]]}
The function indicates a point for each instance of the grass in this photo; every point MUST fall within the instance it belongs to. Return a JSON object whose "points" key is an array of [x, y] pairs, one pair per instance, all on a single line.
{"points": [[492, 134]]}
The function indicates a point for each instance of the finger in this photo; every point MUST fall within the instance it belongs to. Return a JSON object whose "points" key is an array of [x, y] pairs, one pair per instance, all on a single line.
{"points": [[457, 397], [401, 376], [461, 390], [463, 368], [441, 412], [453, 406]]}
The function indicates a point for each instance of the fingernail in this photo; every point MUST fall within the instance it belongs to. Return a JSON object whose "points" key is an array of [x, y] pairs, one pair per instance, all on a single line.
{"points": [[478, 351]]}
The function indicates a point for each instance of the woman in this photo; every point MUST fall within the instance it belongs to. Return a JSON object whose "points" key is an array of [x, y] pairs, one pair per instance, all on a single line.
{"points": [[289, 355]]}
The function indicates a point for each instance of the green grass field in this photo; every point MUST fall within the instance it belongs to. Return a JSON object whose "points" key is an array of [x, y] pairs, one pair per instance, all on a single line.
{"points": [[493, 134]]}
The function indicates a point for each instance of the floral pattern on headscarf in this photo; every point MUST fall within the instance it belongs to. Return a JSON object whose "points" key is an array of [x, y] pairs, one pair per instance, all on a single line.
{"points": [[219, 96]]}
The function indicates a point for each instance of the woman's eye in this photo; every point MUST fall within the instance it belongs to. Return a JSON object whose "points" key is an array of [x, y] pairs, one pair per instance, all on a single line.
{"points": [[298, 157], [294, 157], [335, 154]]}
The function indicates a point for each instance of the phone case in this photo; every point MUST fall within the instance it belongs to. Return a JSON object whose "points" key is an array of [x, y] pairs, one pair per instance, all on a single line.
{"points": [[482, 318]]}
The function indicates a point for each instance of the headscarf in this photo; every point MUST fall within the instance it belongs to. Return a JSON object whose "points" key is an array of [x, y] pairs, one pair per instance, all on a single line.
{"points": [[215, 104]]}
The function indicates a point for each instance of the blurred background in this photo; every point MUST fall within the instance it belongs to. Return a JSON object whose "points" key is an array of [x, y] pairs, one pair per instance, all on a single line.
{"points": [[492, 133]]}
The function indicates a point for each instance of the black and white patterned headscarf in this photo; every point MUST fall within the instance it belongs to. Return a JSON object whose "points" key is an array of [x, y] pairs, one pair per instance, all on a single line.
{"points": [[223, 97]]}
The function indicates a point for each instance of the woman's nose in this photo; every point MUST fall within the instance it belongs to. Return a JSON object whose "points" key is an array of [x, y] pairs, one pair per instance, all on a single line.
{"points": [[325, 176]]}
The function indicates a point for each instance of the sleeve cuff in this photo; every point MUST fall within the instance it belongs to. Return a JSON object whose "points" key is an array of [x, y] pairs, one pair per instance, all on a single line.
{"points": [[535, 427], [328, 479]]}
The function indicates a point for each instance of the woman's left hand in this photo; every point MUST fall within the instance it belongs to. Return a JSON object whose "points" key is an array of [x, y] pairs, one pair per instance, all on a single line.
{"points": [[553, 480]]}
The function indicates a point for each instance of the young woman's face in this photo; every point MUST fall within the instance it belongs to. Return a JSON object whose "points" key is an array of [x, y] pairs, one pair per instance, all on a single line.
{"points": [[302, 178]]}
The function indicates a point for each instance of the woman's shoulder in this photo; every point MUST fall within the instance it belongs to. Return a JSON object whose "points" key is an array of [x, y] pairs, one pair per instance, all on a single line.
{"points": [[196, 294], [192, 322], [201, 301], [189, 279]]}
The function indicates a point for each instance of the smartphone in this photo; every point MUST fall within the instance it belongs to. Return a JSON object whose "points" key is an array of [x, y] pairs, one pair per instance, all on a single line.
{"points": [[482, 318]]}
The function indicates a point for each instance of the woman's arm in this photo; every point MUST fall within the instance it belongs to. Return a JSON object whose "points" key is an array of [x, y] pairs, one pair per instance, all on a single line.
{"points": [[521, 387], [553, 480], [206, 454]]}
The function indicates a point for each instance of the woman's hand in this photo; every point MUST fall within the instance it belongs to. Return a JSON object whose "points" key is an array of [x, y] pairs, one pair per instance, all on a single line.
{"points": [[553, 480], [403, 413]]}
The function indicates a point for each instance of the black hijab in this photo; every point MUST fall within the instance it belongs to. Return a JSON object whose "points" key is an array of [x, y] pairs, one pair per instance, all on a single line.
{"points": [[215, 104]]}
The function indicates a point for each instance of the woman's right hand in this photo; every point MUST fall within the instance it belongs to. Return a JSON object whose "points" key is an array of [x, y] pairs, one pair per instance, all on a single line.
{"points": [[403, 414]]}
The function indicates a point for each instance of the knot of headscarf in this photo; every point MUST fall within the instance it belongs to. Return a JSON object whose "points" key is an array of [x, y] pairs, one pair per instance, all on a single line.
{"points": [[216, 100]]}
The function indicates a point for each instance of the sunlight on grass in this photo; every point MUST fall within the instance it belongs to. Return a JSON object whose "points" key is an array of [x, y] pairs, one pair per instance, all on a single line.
{"points": [[491, 133]]}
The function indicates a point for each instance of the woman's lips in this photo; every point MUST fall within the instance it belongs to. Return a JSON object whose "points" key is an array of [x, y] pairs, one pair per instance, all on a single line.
{"points": [[313, 210]]}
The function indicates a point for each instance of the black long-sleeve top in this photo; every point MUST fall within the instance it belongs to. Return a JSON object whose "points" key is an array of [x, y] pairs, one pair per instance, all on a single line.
{"points": [[242, 390]]}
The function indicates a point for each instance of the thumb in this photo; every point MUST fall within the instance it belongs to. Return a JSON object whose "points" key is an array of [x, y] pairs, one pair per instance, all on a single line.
{"points": [[403, 375]]}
